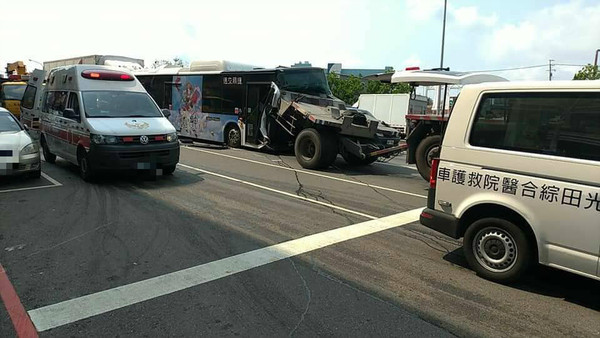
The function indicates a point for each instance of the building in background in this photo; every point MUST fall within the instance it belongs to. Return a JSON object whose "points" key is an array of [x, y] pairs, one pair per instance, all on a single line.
{"points": [[358, 72], [301, 64]]}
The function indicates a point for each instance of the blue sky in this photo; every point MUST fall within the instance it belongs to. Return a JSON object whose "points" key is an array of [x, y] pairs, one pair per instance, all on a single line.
{"points": [[358, 33]]}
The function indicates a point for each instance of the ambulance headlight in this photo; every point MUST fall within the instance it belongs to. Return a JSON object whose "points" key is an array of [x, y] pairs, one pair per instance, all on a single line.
{"points": [[104, 139], [172, 137]]}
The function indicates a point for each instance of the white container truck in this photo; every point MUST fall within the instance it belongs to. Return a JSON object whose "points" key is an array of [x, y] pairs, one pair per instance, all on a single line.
{"points": [[392, 108], [128, 63]]}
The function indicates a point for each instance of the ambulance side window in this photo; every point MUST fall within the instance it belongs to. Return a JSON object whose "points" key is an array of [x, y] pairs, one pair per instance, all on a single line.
{"points": [[74, 103], [560, 124]]}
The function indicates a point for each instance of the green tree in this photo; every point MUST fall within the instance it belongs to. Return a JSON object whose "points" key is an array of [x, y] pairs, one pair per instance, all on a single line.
{"points": [[349, 89], [588, 72]]}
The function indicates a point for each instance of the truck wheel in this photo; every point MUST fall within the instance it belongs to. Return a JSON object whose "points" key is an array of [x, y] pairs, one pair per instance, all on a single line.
{"points": [[497, 249], [48, 156], [427, 150], [314, 150], [233, 137], [355, 160]]}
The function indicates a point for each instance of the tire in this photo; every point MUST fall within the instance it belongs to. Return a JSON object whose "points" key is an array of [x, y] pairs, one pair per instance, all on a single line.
{"points": [[37, 173], [48, 156], [315, 150], [497, 249], [86, 170], [354, 160], [427, 150], [233, 137], [168, 170]]}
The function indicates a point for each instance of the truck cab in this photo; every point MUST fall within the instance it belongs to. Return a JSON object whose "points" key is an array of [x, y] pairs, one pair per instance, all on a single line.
{"points": [[424, 131]]}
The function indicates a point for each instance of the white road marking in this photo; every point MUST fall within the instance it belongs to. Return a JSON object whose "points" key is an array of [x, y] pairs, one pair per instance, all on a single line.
{"points": [[310, 173], [76, 309], [278, 191], [54, 182]]}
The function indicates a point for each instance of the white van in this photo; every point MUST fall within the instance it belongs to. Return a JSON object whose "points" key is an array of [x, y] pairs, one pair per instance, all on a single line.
{"points": [[31, 104], [393, 108], [519, 177], [101, 118]]}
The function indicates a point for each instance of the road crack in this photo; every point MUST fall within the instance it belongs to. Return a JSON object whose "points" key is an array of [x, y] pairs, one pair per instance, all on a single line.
{"points": [[308, 298]]}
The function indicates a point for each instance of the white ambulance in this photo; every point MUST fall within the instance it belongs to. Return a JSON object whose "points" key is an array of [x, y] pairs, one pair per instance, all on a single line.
{"points": [[102, 118], [519, 177]]}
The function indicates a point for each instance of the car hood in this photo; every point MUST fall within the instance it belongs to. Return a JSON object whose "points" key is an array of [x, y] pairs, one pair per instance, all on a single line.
{"points": [[130, 126], [13, 141]]}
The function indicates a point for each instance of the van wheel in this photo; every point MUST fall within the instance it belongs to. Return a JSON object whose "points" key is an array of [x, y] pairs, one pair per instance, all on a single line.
{"points": [[85, 167], [497, 249], [48, 156], [234, 137], [427, 150], [315, 150]]}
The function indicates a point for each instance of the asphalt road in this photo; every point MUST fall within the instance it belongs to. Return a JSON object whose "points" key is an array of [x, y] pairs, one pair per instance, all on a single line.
{"points": [[192, 254]]}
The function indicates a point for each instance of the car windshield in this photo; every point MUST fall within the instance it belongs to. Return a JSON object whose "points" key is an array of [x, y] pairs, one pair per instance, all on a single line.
{"points": [[309, 81], [8, 123], [119, 104], [13, 92]]}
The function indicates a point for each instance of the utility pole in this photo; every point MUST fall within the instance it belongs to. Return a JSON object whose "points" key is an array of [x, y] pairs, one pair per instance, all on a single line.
{"points": [[596, 58], [550, 70], [442, 60]]}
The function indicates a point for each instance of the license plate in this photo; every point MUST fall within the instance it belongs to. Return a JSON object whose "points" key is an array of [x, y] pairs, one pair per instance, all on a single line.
{"points": [[390, 142]]}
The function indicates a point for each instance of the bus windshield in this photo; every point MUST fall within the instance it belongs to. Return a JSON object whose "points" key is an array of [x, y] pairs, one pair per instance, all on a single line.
{"points": [[13, 92], [309, 81], [119, 104]]}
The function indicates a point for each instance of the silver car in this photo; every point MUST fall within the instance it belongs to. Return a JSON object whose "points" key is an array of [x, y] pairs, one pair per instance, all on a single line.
{"points": [[19, 154]]}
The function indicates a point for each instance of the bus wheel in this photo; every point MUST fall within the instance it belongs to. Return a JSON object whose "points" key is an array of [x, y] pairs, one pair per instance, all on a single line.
{"points": [[233, 137], [497, 249], [315, 150], [427, 150], [48, 156]]}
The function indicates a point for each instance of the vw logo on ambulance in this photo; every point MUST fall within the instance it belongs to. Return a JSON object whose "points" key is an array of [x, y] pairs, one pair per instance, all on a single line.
{"points": [[144, 139]]}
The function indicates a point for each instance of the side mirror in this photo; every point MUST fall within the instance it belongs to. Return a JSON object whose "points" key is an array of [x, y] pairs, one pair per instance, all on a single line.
{"points": [[25, 127], [69, 113], [276, 95], [166, 113]]}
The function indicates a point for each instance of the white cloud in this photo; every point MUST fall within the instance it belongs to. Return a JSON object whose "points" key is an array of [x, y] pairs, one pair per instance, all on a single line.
{"points": [[411, 61], [265, 33], [568, 33], [423, 10], [469, 16]]}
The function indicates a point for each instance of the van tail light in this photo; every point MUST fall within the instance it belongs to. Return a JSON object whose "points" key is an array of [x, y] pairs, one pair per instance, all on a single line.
{"points": [[435, 163], [109, 75]]}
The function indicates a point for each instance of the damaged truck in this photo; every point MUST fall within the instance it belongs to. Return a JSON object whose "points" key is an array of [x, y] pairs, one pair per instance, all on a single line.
{"points": [[278, 109]]}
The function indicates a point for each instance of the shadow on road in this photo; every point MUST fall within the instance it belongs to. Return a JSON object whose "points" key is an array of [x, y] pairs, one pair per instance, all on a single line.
{"points": [[549, 282], [139, 178]]}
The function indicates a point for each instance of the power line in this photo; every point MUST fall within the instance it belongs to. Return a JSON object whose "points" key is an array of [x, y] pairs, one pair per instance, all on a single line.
{"points": [[526, 67]]}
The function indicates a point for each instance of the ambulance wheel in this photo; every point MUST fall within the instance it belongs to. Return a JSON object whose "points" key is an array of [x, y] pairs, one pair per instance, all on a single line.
{"points": [[85, 168], [48, 156], [168, 170], [427, 150], [315, 150], [234, 137], [497, 249]]}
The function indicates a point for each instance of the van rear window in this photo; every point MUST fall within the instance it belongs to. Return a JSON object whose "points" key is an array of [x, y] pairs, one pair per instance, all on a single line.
{"points": [[119, 104], [559, 124]]}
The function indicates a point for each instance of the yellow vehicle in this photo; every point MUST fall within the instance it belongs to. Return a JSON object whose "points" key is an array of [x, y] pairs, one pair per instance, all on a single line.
{"points": [[11, 94]]}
